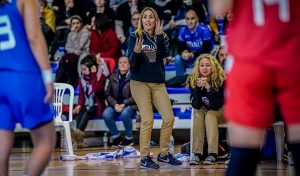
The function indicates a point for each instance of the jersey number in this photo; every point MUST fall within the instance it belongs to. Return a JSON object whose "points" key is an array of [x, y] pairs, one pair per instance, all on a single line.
{"points": [[9, 41], [258, 10]]}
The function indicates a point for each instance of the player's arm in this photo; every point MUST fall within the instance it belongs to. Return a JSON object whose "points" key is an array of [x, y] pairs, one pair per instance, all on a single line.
{"points": [[220, 7], [29, 11]]}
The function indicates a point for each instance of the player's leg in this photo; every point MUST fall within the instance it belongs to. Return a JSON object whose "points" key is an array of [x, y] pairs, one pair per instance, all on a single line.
{"points": [[244, 154], [294, 141], [7, 140], [249, 110], [7, 122], [43, 138], [289, 101]]}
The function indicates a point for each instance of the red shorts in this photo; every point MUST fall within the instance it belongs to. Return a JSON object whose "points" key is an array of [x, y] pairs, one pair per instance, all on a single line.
{"points": [[253, 89]]}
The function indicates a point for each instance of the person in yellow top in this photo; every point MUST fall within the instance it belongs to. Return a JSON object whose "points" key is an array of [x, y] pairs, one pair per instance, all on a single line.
{"points": [[48, 14]]}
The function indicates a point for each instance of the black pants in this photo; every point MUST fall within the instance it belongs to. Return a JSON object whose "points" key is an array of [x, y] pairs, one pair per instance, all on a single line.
{"points": [[60, 39], [84, 116]]}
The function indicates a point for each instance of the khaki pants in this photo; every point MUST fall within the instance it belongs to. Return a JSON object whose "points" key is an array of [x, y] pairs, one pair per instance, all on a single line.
{"points": [[144, 94], [206, 121]]}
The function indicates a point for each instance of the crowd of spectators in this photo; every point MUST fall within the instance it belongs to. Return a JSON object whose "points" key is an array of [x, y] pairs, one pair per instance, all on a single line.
{"points": [[100, 29]]}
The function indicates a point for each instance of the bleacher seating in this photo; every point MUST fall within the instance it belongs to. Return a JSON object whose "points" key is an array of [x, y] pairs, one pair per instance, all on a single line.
{"points": [[182, 112]]}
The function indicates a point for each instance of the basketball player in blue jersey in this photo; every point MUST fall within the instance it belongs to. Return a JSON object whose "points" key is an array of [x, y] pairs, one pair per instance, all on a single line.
{"points": [[26, 84]]}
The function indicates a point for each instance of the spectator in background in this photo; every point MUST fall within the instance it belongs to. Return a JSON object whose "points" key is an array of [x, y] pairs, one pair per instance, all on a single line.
{"points": [[134, 22], [101, 6], [166, 10], [77, 47], [91, 96], [59, 8], [219, 52], [78, 41], [116, 3], [123, 18], [200, 7], [47, 20], [222, 23], [147, 48], [134, 25], [206, 85], [64, 10], [222, 54], [104, 43], [63, 14], [120, 103], [194, 39]]}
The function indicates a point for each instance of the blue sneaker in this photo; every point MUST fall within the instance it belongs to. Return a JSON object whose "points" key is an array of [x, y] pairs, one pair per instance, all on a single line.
{"points": [[148, 163], [169, 159]]}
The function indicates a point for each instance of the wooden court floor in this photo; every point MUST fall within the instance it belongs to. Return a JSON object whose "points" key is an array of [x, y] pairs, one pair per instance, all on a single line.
{"points": [[129, 167]]}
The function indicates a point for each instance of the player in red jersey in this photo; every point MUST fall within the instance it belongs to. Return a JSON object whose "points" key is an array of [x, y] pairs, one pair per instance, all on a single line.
{"points": [[263, 38]]}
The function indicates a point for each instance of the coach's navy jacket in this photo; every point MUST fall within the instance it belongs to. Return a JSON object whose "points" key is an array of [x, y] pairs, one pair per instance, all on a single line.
{"points": [[148, 66]]}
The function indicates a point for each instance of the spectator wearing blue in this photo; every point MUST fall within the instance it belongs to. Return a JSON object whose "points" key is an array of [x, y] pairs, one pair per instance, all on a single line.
{"points": [[120, 103], [193, 39]]}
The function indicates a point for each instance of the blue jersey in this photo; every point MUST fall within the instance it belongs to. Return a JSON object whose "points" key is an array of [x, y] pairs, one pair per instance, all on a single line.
{"points": [[194, 39], [15, 51]]}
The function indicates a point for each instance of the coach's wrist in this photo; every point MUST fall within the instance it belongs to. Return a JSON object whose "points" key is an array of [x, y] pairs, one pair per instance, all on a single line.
{"points": [[47, 76]]}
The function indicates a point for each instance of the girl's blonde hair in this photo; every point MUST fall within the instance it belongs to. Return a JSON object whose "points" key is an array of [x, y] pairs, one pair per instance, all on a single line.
{"points": [[216, 77], [139, 30]]}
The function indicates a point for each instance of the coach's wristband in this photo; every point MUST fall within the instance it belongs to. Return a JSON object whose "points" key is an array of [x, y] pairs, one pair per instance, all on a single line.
{"points": [[47, 76]]}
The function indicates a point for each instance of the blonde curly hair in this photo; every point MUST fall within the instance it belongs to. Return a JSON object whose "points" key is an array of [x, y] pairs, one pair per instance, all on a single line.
{"points": [[216, 77]]}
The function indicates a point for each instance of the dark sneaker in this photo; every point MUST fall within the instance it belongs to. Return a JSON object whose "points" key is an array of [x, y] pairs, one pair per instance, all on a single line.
{"points": [[126, 142], [117, 141], [196, 159], [168, 159], [210, 160], [148, 163]]}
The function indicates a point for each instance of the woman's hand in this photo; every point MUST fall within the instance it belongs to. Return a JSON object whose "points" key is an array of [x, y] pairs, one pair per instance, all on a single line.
{"points": [[138, 45], [199, 82], [77, 109], [117, 108], [202, 82], [50, 93], [74, 29], [94, 69], [122, 39], [159, 27], [98, 58], [121, 107]]}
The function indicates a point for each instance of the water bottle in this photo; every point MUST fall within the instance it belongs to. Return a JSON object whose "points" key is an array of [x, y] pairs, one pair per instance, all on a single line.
{"points": [[105, 139], [62, 139], [290, 158], [171, 145]]}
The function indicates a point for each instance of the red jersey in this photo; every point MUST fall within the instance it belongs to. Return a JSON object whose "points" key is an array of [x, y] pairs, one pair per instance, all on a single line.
{"points": [[265, 28]]}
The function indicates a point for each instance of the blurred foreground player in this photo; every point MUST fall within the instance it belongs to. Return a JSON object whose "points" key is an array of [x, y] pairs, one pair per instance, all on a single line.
{"points": [[26, 84], [263, 39]]}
